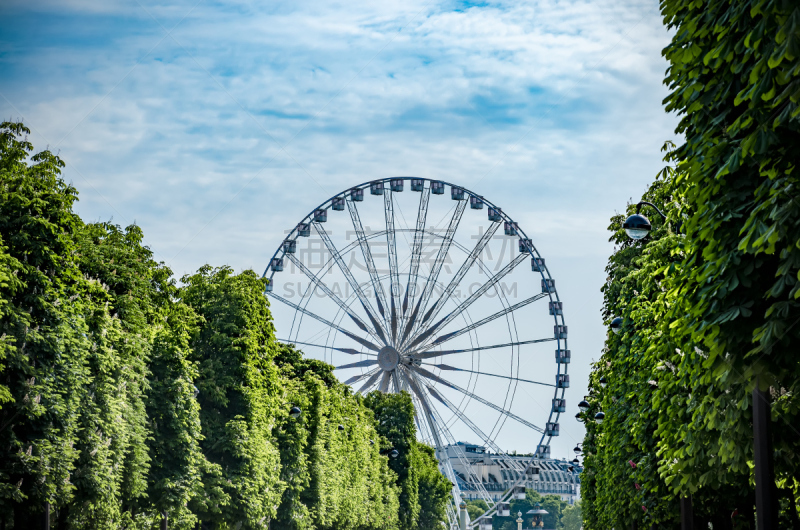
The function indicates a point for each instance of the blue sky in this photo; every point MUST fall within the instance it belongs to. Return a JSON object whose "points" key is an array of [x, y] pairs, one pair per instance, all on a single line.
{"points": [[217, 125]]}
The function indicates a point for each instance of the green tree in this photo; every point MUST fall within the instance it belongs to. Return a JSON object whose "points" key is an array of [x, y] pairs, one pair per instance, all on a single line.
{"points": [[45, 346], [434, 490], [239, 386], [177, 463], [123, 397], [395, 422], [476, 508], [571, 518], [336, 477], [734, 74]]}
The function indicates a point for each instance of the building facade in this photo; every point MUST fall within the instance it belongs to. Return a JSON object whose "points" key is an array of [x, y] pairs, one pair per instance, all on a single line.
{"points": [[496, 474]]}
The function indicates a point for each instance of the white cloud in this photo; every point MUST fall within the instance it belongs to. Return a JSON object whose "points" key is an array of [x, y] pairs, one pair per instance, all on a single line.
{"points": [[551, 109]]}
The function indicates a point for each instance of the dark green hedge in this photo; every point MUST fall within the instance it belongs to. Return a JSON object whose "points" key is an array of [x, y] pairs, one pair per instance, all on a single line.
{"points": [[712, 306]]}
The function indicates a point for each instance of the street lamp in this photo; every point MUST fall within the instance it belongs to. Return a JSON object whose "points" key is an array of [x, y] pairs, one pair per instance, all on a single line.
{"points": [[391, 452], [579, 417], [577, 449], [616, 325], [637, 226], [602, 381], [599, 417], [584, 406], [295, 412]]}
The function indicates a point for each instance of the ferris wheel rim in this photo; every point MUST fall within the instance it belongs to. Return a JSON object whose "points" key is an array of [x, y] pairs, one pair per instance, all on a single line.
{"points": [[530, 250], [307, 297]]}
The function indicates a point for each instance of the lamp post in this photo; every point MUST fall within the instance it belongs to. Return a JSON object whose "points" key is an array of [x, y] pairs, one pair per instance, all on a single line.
{"points": [[637, 226], [519, 520]]}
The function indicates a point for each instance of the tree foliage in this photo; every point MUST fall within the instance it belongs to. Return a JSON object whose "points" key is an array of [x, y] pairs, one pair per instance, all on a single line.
{"points": [[710, 301], [125, 397]]}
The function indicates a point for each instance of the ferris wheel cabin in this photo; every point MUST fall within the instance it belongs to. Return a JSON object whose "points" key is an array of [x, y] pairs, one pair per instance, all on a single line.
{"points": [[562, 356], [357, 195]]}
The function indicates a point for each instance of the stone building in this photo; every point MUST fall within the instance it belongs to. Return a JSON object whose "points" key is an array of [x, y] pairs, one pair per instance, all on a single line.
{"points": [[497, 476]]}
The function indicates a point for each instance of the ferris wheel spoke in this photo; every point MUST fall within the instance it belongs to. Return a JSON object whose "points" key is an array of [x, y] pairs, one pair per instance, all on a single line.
{"points": [[384, 387], [468, 263], [422, 337], [371, 381], [430, 283], [350, 279], [380, 295], [503, 312], [427, 374], [328, 323], [349, 351], [469, 423], [453, 368], [330, 294], [359, 377], [496, 407], [416, 252], [394, 274], [358, 364], [432, 354]]}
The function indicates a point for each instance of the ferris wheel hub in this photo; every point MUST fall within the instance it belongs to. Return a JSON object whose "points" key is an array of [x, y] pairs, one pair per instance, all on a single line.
{"points": [[388, 358]]}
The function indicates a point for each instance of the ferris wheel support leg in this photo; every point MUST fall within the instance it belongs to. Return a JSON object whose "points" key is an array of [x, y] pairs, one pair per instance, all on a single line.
{"points": [[440, 451], [442, 456]]}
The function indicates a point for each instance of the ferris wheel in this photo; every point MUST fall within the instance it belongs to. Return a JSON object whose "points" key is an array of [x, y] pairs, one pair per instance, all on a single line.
{"points": [[402, 289]]}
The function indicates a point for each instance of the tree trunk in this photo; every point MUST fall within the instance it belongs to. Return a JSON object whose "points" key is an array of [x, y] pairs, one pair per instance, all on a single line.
{"points": [[687, 513], [45, 517], [63, 517], [789, 494]]}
